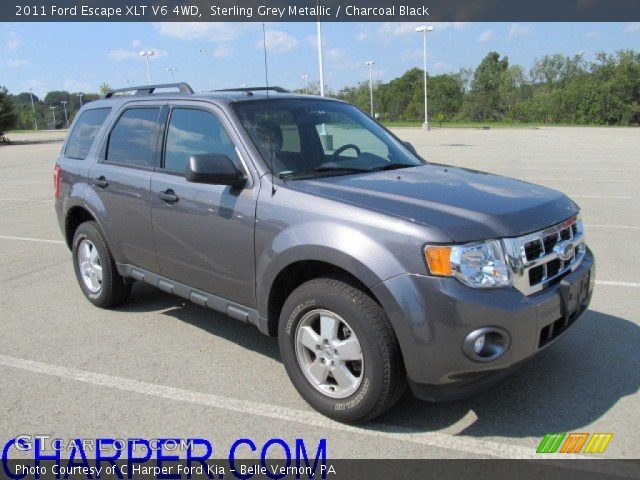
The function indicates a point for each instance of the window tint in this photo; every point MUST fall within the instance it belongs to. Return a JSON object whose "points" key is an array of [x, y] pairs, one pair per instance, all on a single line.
{"points": [[191, 132], [132, 140], [84, 132]]}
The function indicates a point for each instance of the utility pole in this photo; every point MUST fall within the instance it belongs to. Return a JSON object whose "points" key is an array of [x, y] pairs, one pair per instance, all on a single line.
{"points": [[53, 111], [370, 64], [320, 61], [33, 109], [66, 119], [147, 54], [424, 29], [171, 71]]}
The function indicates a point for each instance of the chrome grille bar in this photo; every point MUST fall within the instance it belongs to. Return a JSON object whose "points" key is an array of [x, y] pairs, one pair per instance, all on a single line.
{"points": [[562, 248]]}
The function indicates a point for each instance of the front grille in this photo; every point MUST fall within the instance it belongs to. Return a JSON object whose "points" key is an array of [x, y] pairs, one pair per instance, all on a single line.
{"points": [[541, 259]]}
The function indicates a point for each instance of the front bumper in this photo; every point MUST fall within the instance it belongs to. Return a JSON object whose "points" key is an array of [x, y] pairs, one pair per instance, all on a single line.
{"points": [[432, 316]]}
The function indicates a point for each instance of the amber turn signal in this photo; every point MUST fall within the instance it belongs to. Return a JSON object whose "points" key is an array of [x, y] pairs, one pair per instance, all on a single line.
{"points": [[438, 259]]}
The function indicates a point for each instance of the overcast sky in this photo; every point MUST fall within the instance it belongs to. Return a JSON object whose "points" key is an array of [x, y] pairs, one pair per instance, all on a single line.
{"points": [[81, 56]]}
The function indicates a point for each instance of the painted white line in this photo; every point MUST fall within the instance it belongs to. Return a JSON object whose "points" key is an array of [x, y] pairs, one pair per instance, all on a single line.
{"points": [[25, 199], [41, 182], [29, 239], [629, 227], [562, 179], [606, 197], [617, 284], [573, 169], [31, 204], [466, 445]]}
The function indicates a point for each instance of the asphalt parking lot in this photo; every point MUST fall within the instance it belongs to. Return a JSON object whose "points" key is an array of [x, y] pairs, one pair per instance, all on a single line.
{"points": [[158, 366]]}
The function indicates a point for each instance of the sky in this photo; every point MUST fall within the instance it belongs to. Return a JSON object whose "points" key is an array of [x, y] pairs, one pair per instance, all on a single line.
{"points": [[81, 56]]}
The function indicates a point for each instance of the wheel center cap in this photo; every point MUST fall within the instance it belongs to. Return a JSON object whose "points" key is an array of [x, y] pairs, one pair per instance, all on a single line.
{"points": [[328, 353]]}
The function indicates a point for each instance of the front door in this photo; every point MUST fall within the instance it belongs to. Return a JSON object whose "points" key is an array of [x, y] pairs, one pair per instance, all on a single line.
{"points": [[204, 234]]}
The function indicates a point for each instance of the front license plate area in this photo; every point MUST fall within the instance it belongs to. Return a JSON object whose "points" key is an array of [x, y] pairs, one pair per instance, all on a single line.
{"points": [[574, 291]]}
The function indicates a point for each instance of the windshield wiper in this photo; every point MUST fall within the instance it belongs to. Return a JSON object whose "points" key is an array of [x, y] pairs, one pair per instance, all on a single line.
{"points": [[341, 169], [392, 166]]}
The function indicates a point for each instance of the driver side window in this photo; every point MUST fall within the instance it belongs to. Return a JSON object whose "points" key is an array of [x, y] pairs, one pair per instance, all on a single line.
{"points": [[192, 131], [342, 130]]}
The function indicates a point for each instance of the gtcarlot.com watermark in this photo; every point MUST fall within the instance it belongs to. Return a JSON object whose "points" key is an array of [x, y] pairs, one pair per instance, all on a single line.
{"points": [[46, 456]]}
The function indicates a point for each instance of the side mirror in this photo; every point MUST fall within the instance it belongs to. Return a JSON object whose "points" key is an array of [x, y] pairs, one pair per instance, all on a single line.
{"points": [[213, 169], [410, 147]]}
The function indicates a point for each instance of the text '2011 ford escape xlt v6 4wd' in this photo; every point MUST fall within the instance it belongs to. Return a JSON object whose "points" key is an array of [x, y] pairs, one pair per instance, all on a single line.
{"points": [[303, 216]]}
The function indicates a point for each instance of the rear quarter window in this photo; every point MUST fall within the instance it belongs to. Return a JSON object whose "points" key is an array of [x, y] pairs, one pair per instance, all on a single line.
{"points": [[84, 132], [132, 139]]}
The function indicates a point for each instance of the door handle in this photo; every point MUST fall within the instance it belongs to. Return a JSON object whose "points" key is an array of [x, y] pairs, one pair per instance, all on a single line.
{"points": [[168, 196], [101, 182]]}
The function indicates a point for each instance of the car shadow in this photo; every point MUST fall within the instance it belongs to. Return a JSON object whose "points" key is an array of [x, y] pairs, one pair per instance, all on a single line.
{"points": [[145, 298], [568, 386]]}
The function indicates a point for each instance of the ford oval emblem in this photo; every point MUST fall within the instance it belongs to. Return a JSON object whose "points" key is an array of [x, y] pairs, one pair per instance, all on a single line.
{"points": [[564, 250]]}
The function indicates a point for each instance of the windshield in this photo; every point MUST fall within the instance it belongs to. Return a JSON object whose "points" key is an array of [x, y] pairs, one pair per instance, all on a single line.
{"points": [[308, 138]]}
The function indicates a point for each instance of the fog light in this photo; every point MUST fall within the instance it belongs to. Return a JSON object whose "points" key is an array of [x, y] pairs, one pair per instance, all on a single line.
{"points": [[486, 344]]}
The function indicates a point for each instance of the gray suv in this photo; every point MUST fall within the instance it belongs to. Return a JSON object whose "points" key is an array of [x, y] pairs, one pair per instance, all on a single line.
{"points": [[306, 218]]}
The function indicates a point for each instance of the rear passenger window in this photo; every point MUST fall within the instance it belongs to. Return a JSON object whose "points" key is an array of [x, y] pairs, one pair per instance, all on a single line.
{"points": [[132, 140], [191, 132], [84, 132]]}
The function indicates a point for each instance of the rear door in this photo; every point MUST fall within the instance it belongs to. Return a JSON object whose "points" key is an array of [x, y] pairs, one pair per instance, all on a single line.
{"points": [[204, 234], [121, 179]]}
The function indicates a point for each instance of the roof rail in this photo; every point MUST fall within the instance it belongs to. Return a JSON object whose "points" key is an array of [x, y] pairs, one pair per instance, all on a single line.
{"points": [[250, 90], [149, 89]]}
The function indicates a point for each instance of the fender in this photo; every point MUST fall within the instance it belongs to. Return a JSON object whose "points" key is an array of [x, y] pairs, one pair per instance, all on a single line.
{"points": [[92, 203], [337, 244]]}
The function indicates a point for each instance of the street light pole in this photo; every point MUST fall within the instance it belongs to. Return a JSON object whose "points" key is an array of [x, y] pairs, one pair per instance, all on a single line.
{"points": [[171, 71], [424, 29], [147, 54], [320, 61], [64, 106], [53, 111], [370, 64], [305, 84], [80, 95], [33, 109]]}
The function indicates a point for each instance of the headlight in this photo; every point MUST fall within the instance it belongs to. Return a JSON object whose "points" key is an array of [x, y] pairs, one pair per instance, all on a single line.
{"points": [[478, 265]]}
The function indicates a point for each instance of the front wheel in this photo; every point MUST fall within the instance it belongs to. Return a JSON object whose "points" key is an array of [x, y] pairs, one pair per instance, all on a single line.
{"points": [[340, 350]]}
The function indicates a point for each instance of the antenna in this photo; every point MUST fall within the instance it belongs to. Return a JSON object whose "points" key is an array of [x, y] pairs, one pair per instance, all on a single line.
{"points": [[266, 81]]}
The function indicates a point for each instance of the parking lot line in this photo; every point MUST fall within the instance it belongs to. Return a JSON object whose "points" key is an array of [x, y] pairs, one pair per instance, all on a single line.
{"points": [[617, 284], [605, 197], [431, 439], [562, 179], [31, 204], [29, 239], [629, 227]]}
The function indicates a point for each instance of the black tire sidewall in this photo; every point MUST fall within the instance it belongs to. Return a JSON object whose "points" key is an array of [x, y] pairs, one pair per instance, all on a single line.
{"points": [[89, 232], [311, 297]]}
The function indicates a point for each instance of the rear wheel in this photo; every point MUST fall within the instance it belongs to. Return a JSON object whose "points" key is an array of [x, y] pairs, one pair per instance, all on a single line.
{"points": [[95, 268], [340, 350]]}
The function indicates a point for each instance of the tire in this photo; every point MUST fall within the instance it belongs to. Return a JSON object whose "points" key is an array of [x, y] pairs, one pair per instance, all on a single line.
{"points": [[380, 373], [105, 291]]}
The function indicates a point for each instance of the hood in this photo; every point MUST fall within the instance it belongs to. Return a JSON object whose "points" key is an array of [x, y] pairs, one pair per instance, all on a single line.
{"points": [[466, 205]]}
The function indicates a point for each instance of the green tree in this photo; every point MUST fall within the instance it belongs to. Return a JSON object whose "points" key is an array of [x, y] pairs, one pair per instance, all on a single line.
{"points": [[104, 88], [8, 114], [445, 94], [484, 101]]}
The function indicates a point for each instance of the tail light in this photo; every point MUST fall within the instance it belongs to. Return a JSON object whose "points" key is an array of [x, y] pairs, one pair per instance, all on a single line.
{"points": [[57, 173]]}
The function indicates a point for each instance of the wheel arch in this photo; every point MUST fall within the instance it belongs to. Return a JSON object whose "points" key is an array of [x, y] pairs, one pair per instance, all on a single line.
{"points": [[75, 216], [298, 272]]}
